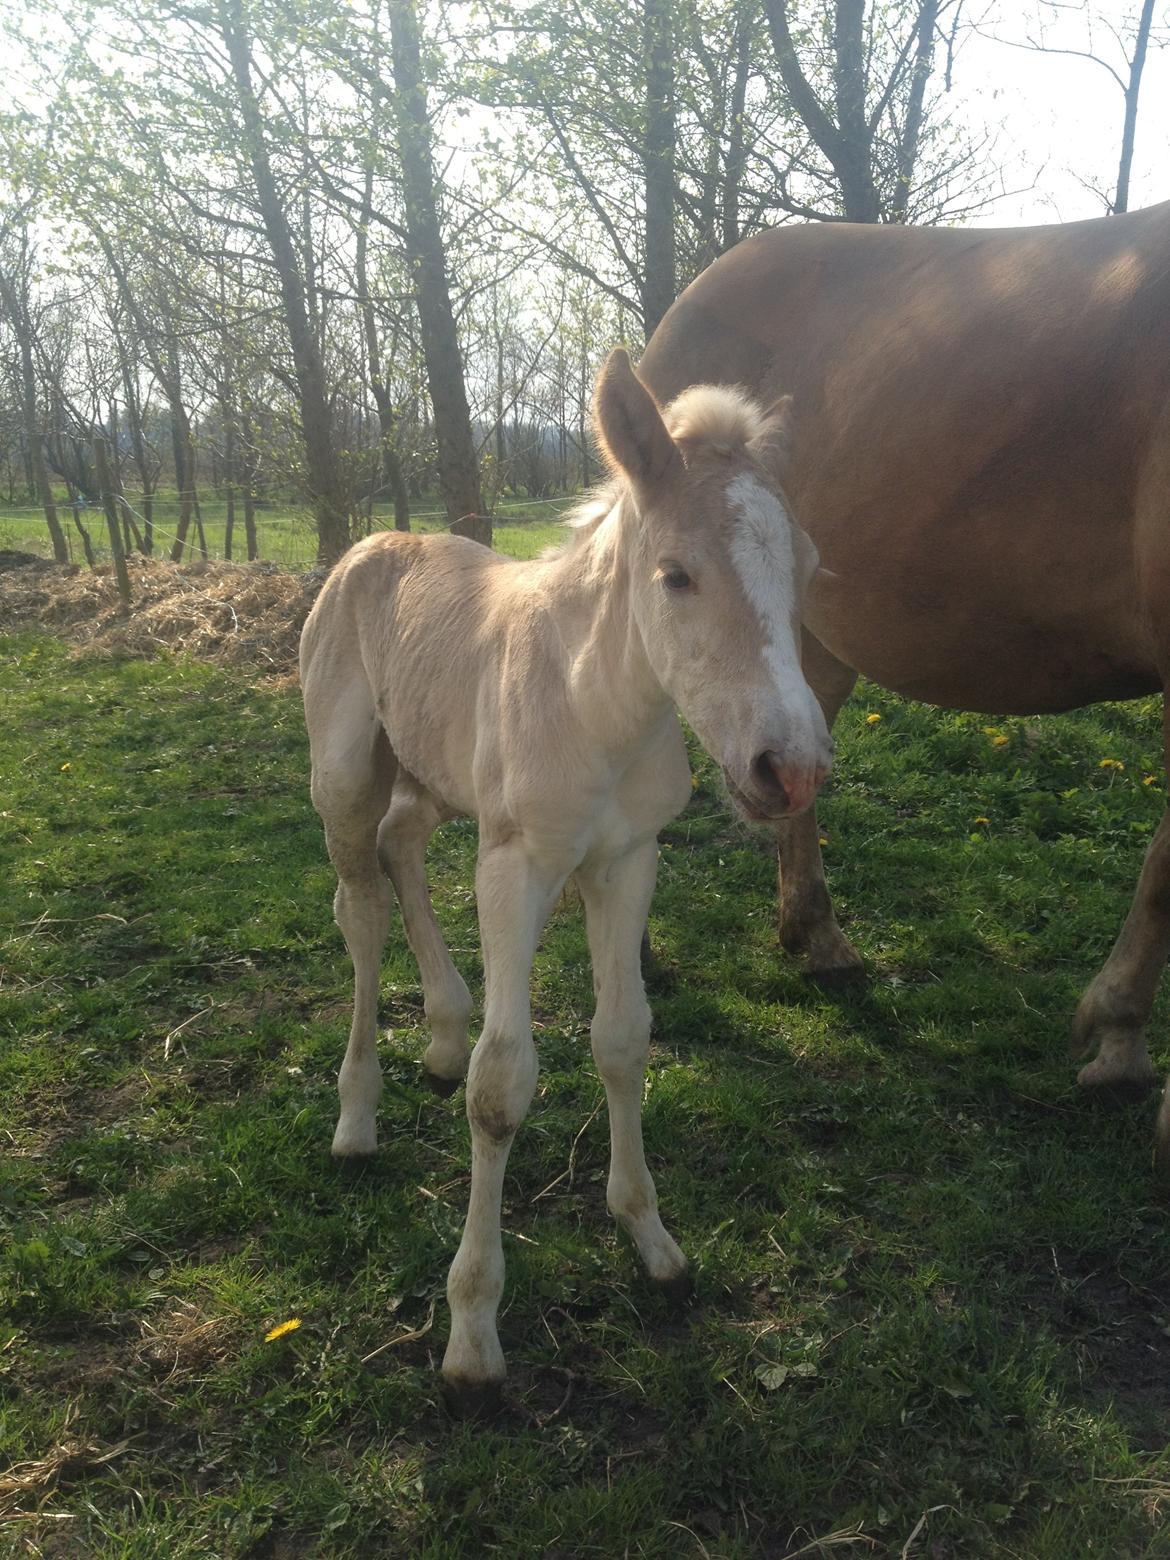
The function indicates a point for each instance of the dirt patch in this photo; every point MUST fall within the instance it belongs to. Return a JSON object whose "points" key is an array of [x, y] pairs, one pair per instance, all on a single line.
{"points": [[236, 614]]}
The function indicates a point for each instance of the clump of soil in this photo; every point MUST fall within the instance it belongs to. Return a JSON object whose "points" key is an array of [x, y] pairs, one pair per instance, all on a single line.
{"points": [[239, 614]]}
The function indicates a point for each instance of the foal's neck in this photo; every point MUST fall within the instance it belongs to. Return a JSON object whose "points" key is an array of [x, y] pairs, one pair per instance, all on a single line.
{"points": [[610, 680]]}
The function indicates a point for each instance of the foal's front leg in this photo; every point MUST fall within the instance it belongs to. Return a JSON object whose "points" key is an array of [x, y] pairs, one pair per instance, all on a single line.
{"points": [[617, 896], [515, 893]]}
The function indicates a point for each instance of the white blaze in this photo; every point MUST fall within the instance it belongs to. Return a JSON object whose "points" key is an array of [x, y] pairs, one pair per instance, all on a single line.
{"points": [[765, 560]]}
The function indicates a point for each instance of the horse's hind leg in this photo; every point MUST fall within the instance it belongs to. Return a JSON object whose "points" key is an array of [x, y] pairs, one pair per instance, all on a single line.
{"points": [[807, 922], [402, 846], [1111, 1018], [353, 777]]}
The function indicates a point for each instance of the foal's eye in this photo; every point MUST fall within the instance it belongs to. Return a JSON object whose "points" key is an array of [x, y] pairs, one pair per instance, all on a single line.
{"points": [[676, 579]]}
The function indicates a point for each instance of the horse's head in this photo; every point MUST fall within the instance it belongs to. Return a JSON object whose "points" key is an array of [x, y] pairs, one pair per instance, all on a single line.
{"points": [[719, 571]]}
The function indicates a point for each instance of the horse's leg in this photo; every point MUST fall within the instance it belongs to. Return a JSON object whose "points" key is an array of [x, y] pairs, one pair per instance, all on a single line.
{"points": [[807, 922], [515, 893], [353, 777], [402, 847], [1112, 1015], [617, 897]]}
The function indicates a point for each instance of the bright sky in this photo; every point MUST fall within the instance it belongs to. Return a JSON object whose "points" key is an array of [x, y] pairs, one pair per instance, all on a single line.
{"points": [[1055, 120], [1058, 119]]}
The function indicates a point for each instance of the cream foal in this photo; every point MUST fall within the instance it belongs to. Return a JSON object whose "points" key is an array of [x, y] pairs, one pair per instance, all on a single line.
{"points": [[540, 698]]}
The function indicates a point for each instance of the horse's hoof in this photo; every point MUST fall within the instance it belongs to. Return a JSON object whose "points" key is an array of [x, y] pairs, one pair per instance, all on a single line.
{"points": [[443, 1087], [473, 1400], [678, 1289], [1117, 1082]]}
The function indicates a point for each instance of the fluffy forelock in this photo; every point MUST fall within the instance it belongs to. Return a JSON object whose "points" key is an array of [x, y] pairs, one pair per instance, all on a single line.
{"points": [[718, 415]]}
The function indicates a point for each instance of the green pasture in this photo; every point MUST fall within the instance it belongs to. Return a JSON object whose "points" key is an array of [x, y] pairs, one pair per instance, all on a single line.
{"points": [[285, 532], [932, 1304]]}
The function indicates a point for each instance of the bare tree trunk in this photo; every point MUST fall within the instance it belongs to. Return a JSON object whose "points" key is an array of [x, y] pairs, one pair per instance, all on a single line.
{"points": [[908, 150], [249, 476], [736, 146], [320, 456], [105, 479], [658, 285], [459, 481], [848, 142], [16, 308], [1132, 91], [392, 478]]}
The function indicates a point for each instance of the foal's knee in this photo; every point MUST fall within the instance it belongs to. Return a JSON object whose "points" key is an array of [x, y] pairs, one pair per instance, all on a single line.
{"points": [[500, 1084], [620, 1036]]}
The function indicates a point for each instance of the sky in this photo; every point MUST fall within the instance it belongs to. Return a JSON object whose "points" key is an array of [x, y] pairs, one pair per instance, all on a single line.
{"points": [[1057, 120]]}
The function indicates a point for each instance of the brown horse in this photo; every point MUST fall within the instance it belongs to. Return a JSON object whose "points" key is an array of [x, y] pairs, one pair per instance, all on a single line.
{"points": [[980, 449]]}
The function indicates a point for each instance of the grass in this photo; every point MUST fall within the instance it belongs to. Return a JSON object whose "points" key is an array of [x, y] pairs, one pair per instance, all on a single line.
{"points": [[286, 534], [932, 1313]]}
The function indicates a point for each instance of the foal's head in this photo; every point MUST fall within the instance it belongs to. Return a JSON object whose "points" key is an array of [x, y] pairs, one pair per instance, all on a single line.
{"points": [[719, 571]]}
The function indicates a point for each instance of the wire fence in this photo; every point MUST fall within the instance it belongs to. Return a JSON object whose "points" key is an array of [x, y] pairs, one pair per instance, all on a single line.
{"points": [[287, 537]]}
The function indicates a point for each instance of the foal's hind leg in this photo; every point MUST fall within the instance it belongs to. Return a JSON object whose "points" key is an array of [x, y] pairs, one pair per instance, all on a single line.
{"points": [[353, 776], [807, 922], [402, 848]]}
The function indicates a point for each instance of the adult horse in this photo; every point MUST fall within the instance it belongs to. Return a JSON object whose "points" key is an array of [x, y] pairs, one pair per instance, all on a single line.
{"points": [[440, 679], [980, 449]]}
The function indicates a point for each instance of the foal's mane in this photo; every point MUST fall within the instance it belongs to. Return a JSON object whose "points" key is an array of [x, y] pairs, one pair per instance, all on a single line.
{"points": [[717, 419]]}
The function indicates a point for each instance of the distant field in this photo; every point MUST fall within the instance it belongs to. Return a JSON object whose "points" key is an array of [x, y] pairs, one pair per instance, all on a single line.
{"points": [[286, 534], [932, 1307]]}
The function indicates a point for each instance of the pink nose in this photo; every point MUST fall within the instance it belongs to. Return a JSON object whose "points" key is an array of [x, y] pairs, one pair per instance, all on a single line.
{"points": [[790, 788]]}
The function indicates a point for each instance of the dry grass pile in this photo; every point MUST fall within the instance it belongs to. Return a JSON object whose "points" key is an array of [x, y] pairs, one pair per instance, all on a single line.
{"points": [[247, 614]]}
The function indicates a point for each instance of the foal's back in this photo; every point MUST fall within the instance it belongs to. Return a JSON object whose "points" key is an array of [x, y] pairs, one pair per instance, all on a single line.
{"points": [[423, 631]]}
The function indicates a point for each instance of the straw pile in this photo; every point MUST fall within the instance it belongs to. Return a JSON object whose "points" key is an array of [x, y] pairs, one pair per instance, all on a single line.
{"points": [[239, 614]]}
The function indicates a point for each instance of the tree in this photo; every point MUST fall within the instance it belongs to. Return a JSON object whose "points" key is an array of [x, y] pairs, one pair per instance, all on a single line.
{"points": [[857, 74]]}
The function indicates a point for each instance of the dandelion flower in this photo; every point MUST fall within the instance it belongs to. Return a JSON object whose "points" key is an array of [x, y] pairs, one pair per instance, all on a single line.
{"points": [[982, 820], [1000, 741], [284, 1327], [1110, 763], [694, 782], [64, 767], [1150, 780], [822, 840], [872, 720]]}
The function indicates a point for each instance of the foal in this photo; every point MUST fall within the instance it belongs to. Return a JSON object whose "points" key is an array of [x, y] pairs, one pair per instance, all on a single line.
{"points": [[440, 679]]}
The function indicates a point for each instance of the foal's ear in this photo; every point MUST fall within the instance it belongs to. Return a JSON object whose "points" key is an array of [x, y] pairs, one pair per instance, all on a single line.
{"points": [[629, 426], [770, 445]]}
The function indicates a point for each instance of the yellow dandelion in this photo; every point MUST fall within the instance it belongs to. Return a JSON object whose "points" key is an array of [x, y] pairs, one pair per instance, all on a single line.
{"points": [[1000, 741], [285, 1327], [822, 840], [1150, 780], [982, 820], [694, 782], [872, 720], [64, 767], [991, 731], [1110, 763]]}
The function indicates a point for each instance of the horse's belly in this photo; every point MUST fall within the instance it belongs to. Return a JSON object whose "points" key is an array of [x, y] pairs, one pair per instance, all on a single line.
{"points": [[1004, 668]]}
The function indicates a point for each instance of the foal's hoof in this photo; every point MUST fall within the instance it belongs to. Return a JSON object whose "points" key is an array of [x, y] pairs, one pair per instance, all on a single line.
{"points": [[473, 1400], [677, 1289], [443, 1087]]}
